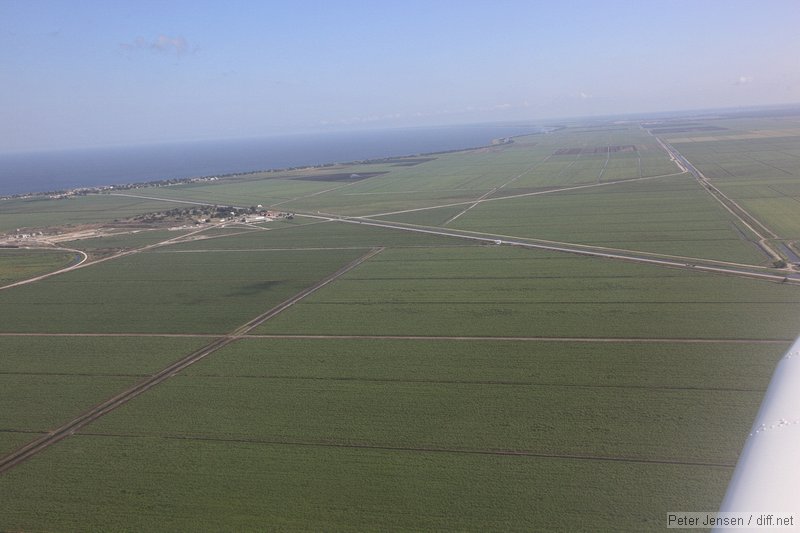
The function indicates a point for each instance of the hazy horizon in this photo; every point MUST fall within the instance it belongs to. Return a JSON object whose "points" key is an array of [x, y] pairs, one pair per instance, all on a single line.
{"points": [[98, 74]]}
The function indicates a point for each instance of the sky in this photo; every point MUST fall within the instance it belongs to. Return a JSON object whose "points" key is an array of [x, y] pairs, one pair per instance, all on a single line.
{"points": [[99, 72]]}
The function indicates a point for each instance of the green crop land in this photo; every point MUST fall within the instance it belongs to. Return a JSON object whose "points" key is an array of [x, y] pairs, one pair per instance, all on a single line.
{"points": [[48, 380], [762, 174], [490, 291], [162, 292], [40, 212], [18, 264], [124, 241], [445, 383]]}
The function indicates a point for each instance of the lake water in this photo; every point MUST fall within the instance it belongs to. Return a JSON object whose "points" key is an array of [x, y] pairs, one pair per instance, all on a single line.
{"points": [[51, 171]]}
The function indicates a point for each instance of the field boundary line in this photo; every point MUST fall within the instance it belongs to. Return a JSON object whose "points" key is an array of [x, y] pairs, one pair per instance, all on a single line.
{"points": [[86, 262], [525, 339], [474, 202], [491, 382], [41, 334], [465, 233], [192, 202], [633, 340], [582, 250], [740, 213], [526, 170], [423, 449], [79, 264], [20, 455]]}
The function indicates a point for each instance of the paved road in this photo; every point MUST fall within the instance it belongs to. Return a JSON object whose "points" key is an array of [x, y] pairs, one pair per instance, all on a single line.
{"points": [[632, 256], [752, 223]]}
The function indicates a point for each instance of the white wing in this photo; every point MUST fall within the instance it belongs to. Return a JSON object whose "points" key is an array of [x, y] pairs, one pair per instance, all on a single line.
{"points": [[767, 476]]}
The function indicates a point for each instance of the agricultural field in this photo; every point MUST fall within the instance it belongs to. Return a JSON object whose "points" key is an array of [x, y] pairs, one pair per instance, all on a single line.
{"points": [[498, 291], [161, 292], [672, 217], [125, 240], [16, 265], [42, 212], [385, 358], [48, 379], [759, 167]]}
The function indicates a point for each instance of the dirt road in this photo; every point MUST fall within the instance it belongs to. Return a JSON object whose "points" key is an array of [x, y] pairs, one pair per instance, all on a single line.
{"points": [[32, 448]]}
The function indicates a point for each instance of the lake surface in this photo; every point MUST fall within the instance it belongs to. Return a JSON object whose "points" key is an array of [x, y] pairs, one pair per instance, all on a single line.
{"points": [[52, 171]]}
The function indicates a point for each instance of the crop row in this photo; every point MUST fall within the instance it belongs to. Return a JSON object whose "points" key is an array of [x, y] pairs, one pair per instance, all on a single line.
{"points": [[158, 483], [588, 298]]}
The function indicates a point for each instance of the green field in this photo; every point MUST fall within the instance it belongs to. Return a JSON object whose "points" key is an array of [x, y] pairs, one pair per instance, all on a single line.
{"points": [[757, 163], [499, 291], [160, 292], [669, 216], [445, 383], [18, 264], [214, 485], [523, 362], [41, 212], [49, 380], [124, 240]]}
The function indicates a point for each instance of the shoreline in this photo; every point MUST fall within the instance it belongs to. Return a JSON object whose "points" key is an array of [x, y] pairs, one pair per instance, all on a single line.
{"points": [[100, 189]]}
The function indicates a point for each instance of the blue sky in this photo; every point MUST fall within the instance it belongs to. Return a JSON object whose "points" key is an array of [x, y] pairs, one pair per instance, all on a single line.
{"points": [[115, 72]]}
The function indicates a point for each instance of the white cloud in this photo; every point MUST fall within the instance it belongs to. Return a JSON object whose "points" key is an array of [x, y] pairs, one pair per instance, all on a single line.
{"points": [[743, 80], [162, 44]]}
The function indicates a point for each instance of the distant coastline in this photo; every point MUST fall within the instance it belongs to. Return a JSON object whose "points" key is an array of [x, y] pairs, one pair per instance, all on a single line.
{"points": [[94, 170]]}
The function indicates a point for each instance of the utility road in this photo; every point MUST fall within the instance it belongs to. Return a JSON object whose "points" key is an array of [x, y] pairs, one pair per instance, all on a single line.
{"points": [[702, 265], [749, 221]]}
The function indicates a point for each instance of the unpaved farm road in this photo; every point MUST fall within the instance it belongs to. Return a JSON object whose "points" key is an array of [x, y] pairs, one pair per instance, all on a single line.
{"points": [[757, 227], [85, 262], [79, 264], [696, 264], [32, 448], [648, 340]]}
